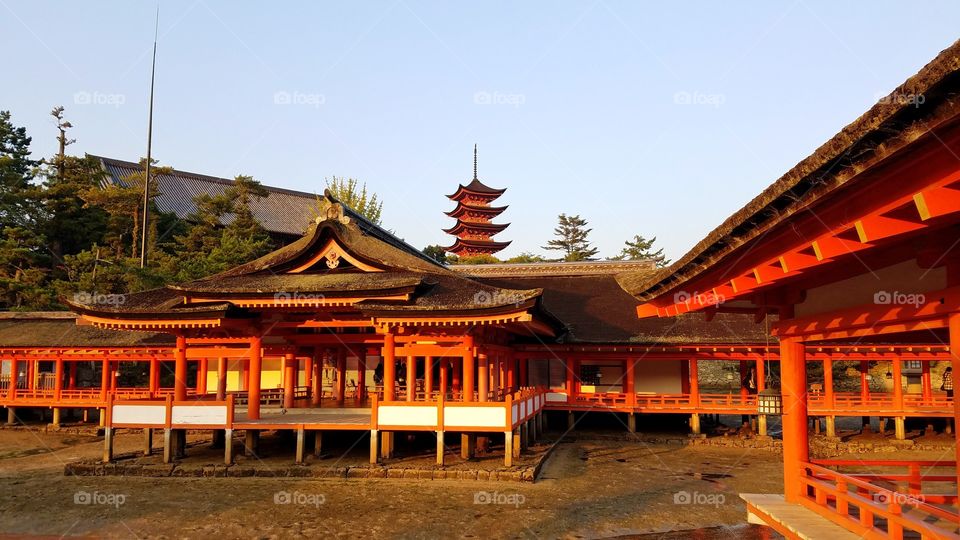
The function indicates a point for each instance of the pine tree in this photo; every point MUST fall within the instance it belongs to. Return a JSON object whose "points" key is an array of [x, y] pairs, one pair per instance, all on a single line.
{"points": [[571, 239], [641, 248], [351, 193], [436, 252]]}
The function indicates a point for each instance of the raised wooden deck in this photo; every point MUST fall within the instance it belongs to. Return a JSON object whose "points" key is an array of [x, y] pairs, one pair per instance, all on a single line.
{"points": [[349, 418], [791, 520]]}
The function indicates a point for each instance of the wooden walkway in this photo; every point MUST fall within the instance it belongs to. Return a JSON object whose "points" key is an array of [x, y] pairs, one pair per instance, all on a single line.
{"points": [[791, 520]]}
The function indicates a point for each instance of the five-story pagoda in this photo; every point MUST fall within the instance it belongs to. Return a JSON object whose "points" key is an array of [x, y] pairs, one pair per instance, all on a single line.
{"points": [[474, 228]]}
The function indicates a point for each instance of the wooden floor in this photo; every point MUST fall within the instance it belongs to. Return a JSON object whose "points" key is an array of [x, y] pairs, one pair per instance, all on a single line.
{"points": [[791, 520]]}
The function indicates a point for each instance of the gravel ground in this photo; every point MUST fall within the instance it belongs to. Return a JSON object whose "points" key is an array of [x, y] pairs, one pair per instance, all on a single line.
{"points": [[588, 489]]}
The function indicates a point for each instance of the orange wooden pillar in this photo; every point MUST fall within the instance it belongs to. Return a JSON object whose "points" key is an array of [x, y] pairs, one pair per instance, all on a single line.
{"points": [[15, 378], [361, 374], [693, 383], [456, 374], [828, 396], [221, 378], [411, 377], [511, 373], [793, 377], [389, 367], [253, 378], [316, 392], [180, 369], [864, 393], [202, 367], [571, 379], [57, 387], [523, 367], [154, 382], [307, 371], [900, 431], [761, 375], [289, 379], [926, 385], [444, 373], [483, 376], [341, 375], [469, 381], [468, 441], [72, 377], [31, 374], [104, 378], [744, 392], [629, 388], [954, 325], [427, 377]]}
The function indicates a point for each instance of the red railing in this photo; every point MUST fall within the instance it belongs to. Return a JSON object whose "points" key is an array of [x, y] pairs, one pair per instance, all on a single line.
{"points": [[872, 511]]}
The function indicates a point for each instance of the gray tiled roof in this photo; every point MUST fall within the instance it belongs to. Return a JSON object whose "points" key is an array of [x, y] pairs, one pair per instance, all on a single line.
{"points": [[284, 212]]}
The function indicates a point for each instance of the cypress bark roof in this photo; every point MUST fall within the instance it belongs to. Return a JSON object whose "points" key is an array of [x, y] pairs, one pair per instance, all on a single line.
{"points": [[59, 329]]}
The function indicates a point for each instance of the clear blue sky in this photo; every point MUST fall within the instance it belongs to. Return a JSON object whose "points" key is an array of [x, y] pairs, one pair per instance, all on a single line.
{"points": [[574, 104]]}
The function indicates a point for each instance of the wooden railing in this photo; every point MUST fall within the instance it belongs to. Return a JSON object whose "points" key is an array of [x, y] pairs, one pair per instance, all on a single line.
{"points": [[872, 511]]}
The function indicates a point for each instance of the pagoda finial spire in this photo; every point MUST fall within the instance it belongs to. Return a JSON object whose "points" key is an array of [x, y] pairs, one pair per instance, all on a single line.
{"points": [[474, 161]]}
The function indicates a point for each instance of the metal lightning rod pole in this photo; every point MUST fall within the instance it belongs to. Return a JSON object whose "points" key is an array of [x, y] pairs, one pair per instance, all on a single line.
{"points": [[146, 180]]}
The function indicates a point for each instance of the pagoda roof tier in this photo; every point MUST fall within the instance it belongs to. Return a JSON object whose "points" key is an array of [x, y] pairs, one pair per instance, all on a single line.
{"points": [[462, 208], [467, 244], [489, 228], [343, 263], [477, 189]]}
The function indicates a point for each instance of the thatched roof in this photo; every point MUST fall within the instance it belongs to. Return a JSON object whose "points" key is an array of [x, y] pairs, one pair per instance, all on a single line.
{"points": [[888, 126]]}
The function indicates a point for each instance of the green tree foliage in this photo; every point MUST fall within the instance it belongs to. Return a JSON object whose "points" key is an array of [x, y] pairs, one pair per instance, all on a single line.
{"points": [[350, 192], [640, 249], [525, 257], [475, 259], [209, 247], [436, 252], [571, 239], [22, 254]]}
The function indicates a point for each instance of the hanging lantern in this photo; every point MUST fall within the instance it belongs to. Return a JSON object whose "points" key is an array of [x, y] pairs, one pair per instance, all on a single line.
{"points": [[889, 375], [770, 402]]}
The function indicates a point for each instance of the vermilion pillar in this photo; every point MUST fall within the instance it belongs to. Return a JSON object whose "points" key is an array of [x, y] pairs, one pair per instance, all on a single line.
{"points": [[202, 367], [744, 392], [341, 374], [468, 367], [569, 364], [444, 370], [629, 377], [58, 380], [361, 373], [221, 378], [828, 382], [316, 392], [427, 376], [864, 385], [154, 383], [180, 369], [898, 383], [253, 378], [694, 383], [104, 378], [289, 379], [389, 367], [511, 373], [483, 376], [72, 381], [926, 386], [456, 374], [761, 375], [954, 325], [793, 378], [15, 379], [523, 366], [411, 377]]}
